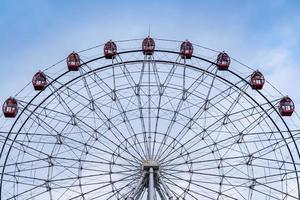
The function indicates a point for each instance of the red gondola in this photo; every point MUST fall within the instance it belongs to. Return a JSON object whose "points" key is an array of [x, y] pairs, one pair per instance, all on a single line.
{"points": [[39, 81], [110, 50], [186, 50], [73, 62], [148, 46], [286, 106], [10, 108], [223, 61], [257, 80]]}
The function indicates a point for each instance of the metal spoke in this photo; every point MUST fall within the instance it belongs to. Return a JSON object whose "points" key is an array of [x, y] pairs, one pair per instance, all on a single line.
{"points": [[153, 125]]}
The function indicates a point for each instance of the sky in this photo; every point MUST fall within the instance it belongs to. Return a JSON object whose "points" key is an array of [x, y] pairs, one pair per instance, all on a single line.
{"points": [[262, 34]]}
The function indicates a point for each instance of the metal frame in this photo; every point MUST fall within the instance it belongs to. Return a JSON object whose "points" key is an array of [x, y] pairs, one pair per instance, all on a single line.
{"points": [[174, 159]]}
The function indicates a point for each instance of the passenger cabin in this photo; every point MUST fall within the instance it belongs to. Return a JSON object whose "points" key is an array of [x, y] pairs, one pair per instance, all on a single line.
{"points": [[286, 106], [39, 81], [10, 108], [257, 80], [148, 46], [73, 62], [110, 50], [186, 50], [223, 61]]}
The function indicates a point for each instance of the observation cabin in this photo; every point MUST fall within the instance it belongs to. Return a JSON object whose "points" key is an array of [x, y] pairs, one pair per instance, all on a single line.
{"points": [[73, 62], [286, 106], [223, 61], [186, 50], [10, 108], [257, 80], [110, 50], [39, 81], [148, 46]]}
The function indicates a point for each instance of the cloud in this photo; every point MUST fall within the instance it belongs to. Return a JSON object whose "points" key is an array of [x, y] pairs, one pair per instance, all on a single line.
{"points": [[281, 69]]}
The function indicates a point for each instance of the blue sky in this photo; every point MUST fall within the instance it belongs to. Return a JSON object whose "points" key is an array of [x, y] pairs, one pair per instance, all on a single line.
{"points": [[37, 33]]}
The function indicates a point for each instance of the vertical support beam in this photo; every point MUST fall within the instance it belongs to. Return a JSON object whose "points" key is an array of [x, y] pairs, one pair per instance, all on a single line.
{"points": [[161, 195], [137, 188], [151, 185], [165, 187]]}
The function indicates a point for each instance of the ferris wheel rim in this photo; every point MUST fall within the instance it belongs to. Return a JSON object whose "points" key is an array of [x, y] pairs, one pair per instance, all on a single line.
{"points": [[159, 61]]}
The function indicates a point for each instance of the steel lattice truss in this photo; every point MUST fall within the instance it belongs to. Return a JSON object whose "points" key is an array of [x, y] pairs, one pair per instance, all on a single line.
{"points": [[159, 125]]}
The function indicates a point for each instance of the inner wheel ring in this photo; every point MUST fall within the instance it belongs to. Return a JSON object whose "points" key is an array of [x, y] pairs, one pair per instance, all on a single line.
{"points": [[143, 167]]}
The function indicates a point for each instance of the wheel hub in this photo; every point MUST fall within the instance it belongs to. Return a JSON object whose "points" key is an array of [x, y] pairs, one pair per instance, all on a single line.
{"points": [[147, 164]]}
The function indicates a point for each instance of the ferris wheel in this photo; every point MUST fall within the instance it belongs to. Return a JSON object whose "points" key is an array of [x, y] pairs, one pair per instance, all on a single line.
{"points": [[149, 119]]}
